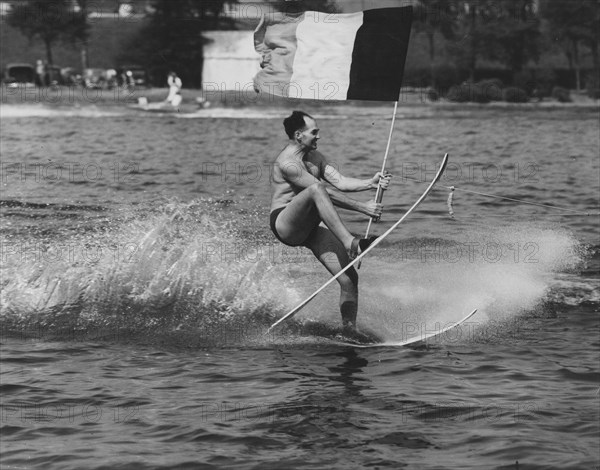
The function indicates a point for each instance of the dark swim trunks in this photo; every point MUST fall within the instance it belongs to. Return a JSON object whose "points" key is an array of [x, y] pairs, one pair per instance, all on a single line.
{"points": [[273, 219]]}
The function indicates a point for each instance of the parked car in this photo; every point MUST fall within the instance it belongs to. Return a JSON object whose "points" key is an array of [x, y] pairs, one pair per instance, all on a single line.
{"points": [[70, 76], [19, 74], [133, 75], [95, 78], [54, 75]]}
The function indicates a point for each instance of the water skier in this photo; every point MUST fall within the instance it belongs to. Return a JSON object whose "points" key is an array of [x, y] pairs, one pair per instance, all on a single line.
{"points": [[302, 202]]}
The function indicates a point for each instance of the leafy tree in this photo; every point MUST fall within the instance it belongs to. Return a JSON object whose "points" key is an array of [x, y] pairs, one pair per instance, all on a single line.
{"points": [[574, 23], [83, 8], [431, 17], [468, 46], [503, 30], [173, 40], [512, 32], [48, 21]]}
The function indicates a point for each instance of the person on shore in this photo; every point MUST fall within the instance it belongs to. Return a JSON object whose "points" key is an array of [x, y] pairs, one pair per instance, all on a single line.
{"points": [[40, 73], [175, 86], [305, 190]]}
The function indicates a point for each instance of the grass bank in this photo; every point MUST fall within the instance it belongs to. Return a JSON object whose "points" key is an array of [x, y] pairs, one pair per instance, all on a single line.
{"points": [[193, 99]]}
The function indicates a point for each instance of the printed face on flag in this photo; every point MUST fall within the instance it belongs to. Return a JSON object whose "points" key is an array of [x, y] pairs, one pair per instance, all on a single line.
{"points": [[314, 55]]}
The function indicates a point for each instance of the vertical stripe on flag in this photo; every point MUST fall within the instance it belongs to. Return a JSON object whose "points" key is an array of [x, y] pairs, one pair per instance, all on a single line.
{"points": [[324, 55], [379, 54]]}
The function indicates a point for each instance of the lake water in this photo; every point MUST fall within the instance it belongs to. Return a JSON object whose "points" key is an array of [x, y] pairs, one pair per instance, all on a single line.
{"points": [[139, 277]]}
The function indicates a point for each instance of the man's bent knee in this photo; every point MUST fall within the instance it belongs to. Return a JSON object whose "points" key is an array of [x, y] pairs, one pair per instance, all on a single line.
{"points": [[317, 188]]}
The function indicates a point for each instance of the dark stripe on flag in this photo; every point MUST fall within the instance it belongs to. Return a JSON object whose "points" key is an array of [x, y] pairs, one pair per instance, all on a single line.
{"points": [[379, 54]]}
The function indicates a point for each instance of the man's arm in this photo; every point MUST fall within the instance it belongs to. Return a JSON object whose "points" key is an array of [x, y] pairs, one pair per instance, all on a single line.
{"points": [[348, 184], [298, 176], [339, 199]]}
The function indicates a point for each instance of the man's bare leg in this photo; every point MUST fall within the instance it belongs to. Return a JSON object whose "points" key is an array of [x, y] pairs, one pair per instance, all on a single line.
{"points": [[307, 210], [332, 254]]}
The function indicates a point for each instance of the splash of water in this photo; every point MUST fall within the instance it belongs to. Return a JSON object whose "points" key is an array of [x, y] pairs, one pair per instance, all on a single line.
{"points": [[178, 270], [183, 271], [503, 272]]}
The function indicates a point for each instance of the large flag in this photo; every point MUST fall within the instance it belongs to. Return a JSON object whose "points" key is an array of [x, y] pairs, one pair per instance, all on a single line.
{"points": [[348, 56]]}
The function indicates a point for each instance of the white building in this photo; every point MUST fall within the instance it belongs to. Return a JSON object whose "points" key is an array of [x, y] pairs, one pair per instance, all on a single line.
{"points": [[230, 61]]}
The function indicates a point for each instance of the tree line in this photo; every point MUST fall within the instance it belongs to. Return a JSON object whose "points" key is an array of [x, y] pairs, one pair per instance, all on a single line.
{"points": [[512, 33]]}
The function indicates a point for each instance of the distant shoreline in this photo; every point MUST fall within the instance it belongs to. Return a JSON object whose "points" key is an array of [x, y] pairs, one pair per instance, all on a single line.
{"points": [[20, 102]]}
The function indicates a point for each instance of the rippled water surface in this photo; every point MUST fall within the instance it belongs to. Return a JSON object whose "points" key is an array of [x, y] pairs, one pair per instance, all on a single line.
{"points": [[139, 278]]}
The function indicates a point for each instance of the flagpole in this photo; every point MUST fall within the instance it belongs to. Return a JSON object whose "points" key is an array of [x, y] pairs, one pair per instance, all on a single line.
{"points": [[379, 193]]}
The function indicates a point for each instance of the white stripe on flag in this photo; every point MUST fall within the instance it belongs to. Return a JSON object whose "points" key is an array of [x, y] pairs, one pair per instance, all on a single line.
{"points": [[324, 55]]}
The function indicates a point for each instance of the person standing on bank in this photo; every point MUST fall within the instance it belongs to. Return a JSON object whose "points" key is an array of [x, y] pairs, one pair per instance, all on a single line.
{"points": [[305, 190], [175, 86], [40, 73]]}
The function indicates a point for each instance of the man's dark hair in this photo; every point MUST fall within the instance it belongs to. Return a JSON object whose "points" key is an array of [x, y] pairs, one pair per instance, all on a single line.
{"points": [[295, 122]]}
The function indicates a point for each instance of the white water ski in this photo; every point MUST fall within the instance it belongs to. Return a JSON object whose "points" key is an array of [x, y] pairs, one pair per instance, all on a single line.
{"points": [[406, 342]]}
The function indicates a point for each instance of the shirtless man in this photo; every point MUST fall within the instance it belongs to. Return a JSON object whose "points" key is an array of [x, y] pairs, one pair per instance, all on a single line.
{"points": [[303, 212]]}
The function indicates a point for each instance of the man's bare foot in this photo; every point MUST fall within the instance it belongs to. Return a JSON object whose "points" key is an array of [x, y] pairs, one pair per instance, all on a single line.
{"points": [[350, 332]]}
